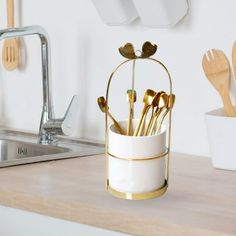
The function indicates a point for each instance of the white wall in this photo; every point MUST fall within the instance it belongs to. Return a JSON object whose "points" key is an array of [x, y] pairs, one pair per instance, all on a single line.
{"points": [[84, 52]]}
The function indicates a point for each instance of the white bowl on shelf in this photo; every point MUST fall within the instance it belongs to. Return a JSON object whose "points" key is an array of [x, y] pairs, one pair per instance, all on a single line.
{"points": [[221, 132], [116, 12], [161, 13]]}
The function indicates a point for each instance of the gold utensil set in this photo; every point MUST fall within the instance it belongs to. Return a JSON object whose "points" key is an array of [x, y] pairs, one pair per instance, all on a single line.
{"points": [[217, 69], [160, 103]]}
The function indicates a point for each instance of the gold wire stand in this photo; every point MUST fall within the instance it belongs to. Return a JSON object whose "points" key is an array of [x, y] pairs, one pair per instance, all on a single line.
{"points": [[137, 196], [159, 192]]}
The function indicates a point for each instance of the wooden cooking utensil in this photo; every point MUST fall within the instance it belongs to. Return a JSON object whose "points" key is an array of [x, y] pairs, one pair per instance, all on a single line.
{"points": [[234, 59], [10, 52], [217, 70]]}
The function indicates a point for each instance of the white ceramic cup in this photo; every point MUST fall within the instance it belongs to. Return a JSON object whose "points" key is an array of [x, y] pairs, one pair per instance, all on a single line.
{"points": [[221, 132], [141, 173]]}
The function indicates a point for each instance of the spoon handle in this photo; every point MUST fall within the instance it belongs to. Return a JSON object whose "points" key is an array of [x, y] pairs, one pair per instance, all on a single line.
{"points": [[161, 121], [228, 106], [149, 123], [154, 120], [130, 119], [139, 127], [116, 124], [10, 13]]}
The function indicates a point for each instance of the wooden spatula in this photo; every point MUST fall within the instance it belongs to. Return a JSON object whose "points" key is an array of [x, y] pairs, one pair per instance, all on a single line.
{"points": [[10, 52], [234, 59], [217, 69]]}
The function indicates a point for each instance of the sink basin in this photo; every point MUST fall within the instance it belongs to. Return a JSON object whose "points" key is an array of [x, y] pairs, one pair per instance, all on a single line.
{"points": [[11, 150], [18, 148]]}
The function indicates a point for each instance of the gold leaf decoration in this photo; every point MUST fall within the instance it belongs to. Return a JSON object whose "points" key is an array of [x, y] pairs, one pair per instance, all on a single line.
{"points": [[148, 49], [127, 51]]}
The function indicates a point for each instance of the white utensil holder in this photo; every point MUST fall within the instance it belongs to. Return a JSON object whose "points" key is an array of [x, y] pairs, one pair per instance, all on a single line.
{"points": [[161, 13], [221, 132], [116, 12], [136, 165]]}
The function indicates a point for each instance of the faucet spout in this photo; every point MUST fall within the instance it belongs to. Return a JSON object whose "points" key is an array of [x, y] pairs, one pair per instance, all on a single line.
{"points": [[45, 137], [45, 50]]}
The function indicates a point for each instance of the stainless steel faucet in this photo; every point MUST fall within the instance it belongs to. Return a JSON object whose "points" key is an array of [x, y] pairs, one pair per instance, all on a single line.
{"points": [[49, 126]]}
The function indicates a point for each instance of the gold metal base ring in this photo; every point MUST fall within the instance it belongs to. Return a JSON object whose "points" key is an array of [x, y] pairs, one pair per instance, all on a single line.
{"points": [[137, 196]]}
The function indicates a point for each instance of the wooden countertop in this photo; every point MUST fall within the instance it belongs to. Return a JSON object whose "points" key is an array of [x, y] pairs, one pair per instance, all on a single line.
{"points": [[199, 201]]}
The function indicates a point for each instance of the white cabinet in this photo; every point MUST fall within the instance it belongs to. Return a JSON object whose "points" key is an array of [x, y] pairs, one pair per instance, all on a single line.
{"points": [[22, 223]]}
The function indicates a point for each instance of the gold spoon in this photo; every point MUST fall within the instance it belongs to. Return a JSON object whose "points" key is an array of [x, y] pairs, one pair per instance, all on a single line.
{"points": [[153, 107], [104, 108], [161, 105], [171, 102], [131, 97], [150, 97]]}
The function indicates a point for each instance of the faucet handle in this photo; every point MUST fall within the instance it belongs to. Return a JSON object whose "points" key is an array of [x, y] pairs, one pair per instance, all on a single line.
{"points": [[71, 116], [65, 125]]}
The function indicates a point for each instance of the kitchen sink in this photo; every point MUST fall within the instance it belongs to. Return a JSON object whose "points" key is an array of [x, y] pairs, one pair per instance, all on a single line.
{"points": [[11, 150], [18, 148]]}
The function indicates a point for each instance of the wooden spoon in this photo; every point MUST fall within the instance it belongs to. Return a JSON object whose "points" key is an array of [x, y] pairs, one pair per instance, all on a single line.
{"points": [[10, 52], [234, 59], [104, 108], [217, 69]]}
